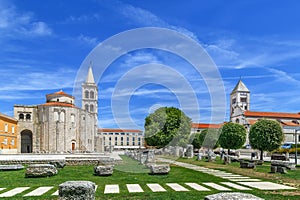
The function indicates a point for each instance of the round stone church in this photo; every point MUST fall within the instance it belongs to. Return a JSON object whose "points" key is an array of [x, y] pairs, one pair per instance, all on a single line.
{"points": [[58, 125]]}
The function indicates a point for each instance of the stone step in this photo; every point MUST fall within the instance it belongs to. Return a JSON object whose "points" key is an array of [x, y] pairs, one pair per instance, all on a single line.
{"points": [[14, 191], [155, 187], [134, 188], [38, 192], [177, 187]]}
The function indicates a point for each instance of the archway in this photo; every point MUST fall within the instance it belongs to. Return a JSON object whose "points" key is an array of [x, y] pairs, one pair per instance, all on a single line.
{"points": [[26, 141]]}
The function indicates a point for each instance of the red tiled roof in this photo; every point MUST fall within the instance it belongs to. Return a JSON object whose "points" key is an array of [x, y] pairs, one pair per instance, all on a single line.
{"points": [[118, 130], [289, 123], [272, 114], [252, 121], [206, 126], [61, 104], [61, 93]]}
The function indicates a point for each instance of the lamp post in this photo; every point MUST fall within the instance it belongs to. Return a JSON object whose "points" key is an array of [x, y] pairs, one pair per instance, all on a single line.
{"points": [[296, 145]]}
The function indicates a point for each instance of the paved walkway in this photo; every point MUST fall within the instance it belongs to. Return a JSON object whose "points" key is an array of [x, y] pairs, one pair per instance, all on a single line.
{"points": [[239, 179]]}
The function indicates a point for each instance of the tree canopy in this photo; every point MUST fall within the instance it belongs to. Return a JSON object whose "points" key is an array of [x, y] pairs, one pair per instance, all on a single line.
{"points": [[167, 126], [266, 135], [233, 136], [206, 138]]}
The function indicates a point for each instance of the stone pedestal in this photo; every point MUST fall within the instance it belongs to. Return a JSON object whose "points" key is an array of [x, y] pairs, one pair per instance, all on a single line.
{"points": [[227, 160], [159, 169], [103, 170], [40, 170], [273, 169], [77, 190], [190, 151], [232, 196], [58, 163]]}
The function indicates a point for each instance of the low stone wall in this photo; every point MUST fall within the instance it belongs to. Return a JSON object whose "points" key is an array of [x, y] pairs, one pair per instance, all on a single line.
{"points": [[68, 161]]}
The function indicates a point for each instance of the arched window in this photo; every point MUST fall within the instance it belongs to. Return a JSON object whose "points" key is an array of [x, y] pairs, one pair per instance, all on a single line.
{"points": [[237, 121], [92, 95], [21, 116], [86, 94], [28, 117], [91, 108], [86, 107]]}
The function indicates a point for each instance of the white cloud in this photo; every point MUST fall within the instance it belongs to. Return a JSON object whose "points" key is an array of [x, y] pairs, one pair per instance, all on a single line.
{"points": [[93, 41], [146, 18], [14, 23]]}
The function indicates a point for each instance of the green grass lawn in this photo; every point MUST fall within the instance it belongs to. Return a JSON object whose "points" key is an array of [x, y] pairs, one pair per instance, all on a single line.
{"points": [[126, 173]]}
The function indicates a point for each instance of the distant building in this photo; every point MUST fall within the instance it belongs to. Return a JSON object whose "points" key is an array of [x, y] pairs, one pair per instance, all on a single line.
{"points": [[8, 134], [240, 113], [121, 139], [59, 126], [198, 127]]}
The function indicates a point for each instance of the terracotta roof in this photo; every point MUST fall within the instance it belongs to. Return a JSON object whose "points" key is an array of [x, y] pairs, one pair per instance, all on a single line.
{"points": [[7, 117], [289, 123], [252, 121], [60, 93], [118, 130], [272, 114], [61, 104], [206, 126]]}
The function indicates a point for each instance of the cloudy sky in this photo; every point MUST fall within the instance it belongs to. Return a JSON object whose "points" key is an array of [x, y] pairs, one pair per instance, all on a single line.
{"points": [[46, 45]]}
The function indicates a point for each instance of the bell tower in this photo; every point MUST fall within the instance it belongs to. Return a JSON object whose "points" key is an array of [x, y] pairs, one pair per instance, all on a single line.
{"points": [[239, 101], [90, 93]]}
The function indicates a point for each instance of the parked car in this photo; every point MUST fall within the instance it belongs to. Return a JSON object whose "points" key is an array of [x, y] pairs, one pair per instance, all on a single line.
{"points": [[287, 145]]}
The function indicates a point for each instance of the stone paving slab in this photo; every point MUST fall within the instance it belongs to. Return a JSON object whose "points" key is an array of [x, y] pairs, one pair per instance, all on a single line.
{"points": [[14, 191], [38, 192], [177, 187], [154, 187], [111, 189], [2, 189], [55, 193], [197, 187], [134, 188], [245, 179], [235, 177], [235, 186], [266, 185], [217, 187]]}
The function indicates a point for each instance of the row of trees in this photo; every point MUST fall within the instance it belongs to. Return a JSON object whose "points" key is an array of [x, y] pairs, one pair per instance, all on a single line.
{"points": [[170, 126]]}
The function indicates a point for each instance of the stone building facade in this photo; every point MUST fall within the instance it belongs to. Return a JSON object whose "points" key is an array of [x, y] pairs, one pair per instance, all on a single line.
{"points": [[240, 113], [58, 126]]}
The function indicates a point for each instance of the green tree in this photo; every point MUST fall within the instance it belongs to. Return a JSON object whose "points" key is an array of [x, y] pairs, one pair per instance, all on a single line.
{"points": [[167, 125], [266, 135], [233, 136], [206, 138]]}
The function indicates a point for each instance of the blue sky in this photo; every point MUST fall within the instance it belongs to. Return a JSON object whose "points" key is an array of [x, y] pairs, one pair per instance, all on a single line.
{"points": [[44, 43]]}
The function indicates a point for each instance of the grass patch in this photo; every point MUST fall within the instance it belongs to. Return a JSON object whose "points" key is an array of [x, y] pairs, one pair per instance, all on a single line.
{"points": [[129, 172]]}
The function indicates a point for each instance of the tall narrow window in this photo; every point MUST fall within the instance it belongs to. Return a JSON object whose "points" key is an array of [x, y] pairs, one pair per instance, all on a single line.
{"points": [[86, 107], [86, 94], [6, 127], [91, 108], [12, 129], [92, 94], [56, 116]]}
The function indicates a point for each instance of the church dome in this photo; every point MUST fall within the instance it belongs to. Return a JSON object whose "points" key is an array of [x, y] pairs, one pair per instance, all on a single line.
{"points": [[60, 97]]}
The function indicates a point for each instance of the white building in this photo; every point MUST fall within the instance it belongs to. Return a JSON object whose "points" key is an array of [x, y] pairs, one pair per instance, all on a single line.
{"points": [[59, 126], [240, 113], [121, 139]]}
